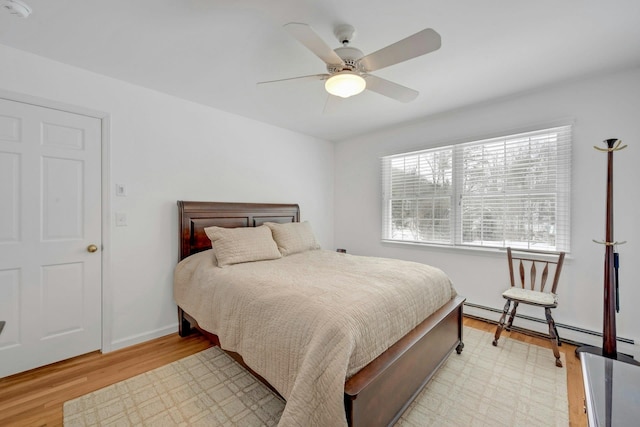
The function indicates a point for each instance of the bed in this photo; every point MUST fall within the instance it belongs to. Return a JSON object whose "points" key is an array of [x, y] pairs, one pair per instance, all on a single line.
{"points": [[379, 392]]}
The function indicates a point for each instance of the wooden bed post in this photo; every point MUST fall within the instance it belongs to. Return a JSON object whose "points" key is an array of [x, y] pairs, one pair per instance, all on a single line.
{"points": [[184, 327]]}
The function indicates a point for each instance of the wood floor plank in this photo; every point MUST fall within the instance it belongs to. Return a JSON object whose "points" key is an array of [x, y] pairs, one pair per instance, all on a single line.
{"points": [[35, 398]]}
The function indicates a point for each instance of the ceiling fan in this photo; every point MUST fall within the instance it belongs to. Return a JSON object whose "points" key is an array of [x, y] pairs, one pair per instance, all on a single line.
{"points": [[348, 69]]}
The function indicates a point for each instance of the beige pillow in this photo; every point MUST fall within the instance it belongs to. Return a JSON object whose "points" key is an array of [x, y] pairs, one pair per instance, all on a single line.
{"points": [[293, 237], [244, 244]]}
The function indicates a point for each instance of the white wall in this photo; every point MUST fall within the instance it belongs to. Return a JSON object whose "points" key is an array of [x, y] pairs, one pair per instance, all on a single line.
{"points": [[166, 149], [600, 107]]}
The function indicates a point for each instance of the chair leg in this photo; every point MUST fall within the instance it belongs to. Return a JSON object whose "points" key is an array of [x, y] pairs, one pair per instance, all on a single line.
{"points": [[557, 335], [553, 336], [512, 316], [501, 322]]}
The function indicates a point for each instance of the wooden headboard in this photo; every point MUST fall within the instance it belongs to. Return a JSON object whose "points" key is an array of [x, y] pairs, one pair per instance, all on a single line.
{"points": [[194, 217]]}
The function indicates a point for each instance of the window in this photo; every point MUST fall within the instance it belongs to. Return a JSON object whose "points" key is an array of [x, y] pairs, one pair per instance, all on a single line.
{"points": [[498, 192]]}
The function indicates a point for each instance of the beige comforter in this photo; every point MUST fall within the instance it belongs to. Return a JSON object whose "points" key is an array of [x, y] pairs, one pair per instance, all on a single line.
{"points": [[308, 321]]}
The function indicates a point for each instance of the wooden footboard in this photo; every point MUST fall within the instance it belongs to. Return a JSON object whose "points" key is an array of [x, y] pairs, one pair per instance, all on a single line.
{"points": [[379, 393]]}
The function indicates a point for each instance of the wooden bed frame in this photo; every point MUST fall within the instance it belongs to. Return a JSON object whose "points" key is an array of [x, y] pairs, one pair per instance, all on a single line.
{"points": [[379, 393]]}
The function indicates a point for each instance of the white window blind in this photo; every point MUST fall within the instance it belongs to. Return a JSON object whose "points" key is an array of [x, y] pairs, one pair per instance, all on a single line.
{"points": [[498, 192]]}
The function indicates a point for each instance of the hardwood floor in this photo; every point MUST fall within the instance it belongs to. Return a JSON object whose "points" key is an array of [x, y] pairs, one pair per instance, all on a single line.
{"points": [[35, 398]]}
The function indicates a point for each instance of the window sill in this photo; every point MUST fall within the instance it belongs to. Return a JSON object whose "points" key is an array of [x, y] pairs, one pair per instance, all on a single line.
{"points": [[468, 250]]}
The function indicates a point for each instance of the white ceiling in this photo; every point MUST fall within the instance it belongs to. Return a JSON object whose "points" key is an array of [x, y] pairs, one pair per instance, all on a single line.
{"points": [[214, 51]]}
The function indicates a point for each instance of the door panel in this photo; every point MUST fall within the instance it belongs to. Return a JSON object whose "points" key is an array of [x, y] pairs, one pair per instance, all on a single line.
{"points": [[62, 295], [50, 285], [10, 306], [62, 198], [9, 128], [10, 207]]}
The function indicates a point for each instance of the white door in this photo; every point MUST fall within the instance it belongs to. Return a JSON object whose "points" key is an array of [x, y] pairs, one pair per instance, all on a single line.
{"points": [[50, 213]]}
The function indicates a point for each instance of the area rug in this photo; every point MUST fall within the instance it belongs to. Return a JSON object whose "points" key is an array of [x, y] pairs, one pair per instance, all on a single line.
{"points": [[514, 384]]}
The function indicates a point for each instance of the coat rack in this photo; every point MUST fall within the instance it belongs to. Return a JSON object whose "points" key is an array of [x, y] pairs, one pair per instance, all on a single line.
{"points": [[611, 264]]}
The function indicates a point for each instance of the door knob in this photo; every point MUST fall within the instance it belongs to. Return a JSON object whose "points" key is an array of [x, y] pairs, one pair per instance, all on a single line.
{"points": [[92, 248]]}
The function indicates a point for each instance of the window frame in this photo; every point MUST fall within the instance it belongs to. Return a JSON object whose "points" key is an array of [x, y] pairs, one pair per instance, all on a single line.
{"points": [[559, 197]]}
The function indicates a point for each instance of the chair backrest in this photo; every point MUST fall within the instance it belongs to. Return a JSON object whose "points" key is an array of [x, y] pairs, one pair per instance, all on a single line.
{"points": [[522, 260]]}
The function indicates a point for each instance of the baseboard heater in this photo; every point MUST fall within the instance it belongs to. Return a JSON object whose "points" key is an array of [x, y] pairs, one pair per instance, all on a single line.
{"points": [[534, 319]]}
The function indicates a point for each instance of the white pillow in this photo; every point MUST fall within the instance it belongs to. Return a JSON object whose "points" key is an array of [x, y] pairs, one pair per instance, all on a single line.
{"points": [[244, 244], [293, 237]]}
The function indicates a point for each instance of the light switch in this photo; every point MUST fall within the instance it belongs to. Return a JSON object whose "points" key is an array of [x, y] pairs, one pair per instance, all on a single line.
{"points": [[121, 219], [121, 190]]}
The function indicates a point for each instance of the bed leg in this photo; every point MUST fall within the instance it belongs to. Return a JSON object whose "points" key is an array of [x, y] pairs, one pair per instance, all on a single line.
{"points": [[184, 327], [460, 347]]}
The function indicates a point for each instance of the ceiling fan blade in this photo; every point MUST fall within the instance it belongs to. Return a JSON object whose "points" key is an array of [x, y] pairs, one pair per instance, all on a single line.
{"points": [[418, 44], [390, 89], [305, 35], [311, 77]]}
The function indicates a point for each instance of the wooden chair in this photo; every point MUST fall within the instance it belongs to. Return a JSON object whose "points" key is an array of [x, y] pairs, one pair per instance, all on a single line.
{"points": [[532, 291]]}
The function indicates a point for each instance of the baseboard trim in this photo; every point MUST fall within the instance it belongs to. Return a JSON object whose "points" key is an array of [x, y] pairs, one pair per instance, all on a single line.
{"points": [[140, 338], [524, 330], [542, 321]]}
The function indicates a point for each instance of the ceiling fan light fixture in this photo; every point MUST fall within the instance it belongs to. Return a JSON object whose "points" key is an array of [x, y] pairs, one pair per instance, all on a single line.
{"points": [[345, 84]]}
